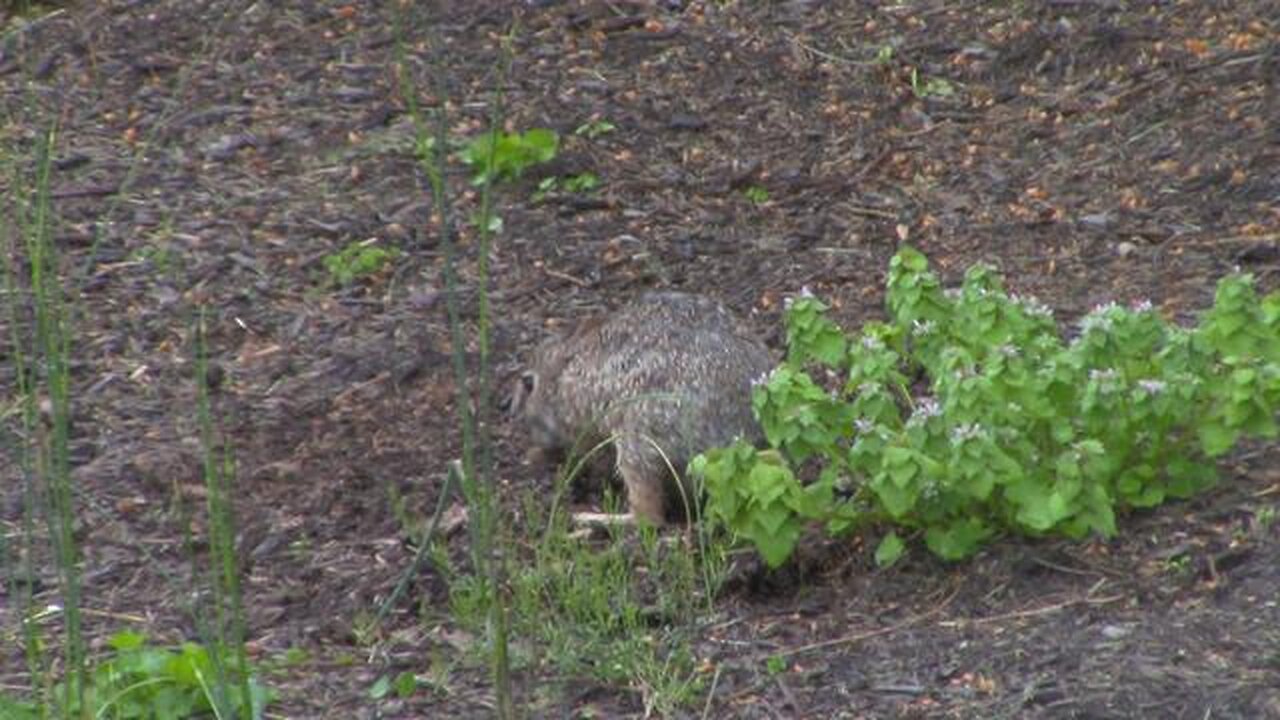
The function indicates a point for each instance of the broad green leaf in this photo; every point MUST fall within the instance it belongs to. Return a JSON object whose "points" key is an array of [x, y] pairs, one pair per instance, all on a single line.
{"points": [[901, 466], [897, 501], [911, 260], [405, 684], [1215, 438], [543, 142], [773, 519], [768, 482], [172, 702], [775, 548], [127, 640], [889, 550], [958, 540]]}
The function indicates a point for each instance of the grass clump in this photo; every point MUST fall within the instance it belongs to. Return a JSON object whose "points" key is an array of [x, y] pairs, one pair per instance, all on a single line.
{"points": [[358, 260], [41, 361], [135, 679], [622, 611]]}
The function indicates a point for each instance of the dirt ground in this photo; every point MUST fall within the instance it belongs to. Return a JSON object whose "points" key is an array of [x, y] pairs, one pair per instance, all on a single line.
{"points": [[215, 152]]}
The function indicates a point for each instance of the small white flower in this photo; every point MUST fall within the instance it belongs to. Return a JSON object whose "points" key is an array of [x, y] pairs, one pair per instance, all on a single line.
{"points": [[1008, 350], [963, 433], [864, 426], [805, 293], [1098, 319], [926, 408], [1107, 380], [872, 343], [1152, 387], [922, 328], [1142, 306], [930, 490], [1033, 306], [868, 387]]}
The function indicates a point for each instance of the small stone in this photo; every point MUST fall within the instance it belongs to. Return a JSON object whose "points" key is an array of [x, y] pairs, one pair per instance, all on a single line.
{"points": [[685, 121], [1096, 221], [1115, 632]]}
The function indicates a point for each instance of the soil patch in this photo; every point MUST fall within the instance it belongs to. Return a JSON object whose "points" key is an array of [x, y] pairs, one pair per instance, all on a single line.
{"points": [[214, 153]]}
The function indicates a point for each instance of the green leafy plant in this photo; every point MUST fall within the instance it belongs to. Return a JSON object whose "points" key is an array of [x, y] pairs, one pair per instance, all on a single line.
{"points": [[931, 87], [487, 222], [967, 416], [358, 260], [594, 129], [496, 155], [14, 710], [1265, 517], [756, 194], [143, 681], [579, 184], [404, 685], [161, 257], [1178, 565]]}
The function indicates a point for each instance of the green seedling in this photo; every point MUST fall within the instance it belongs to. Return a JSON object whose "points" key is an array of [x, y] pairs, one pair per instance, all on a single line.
{"points": [[756, 194], [404, 685], [580, 184], [775, 665], [498, 156], [160, 257], [358, 260], [1178, 564], [489, 222], [594, 129], [1265, 518], [891, 548], [931, 87]]}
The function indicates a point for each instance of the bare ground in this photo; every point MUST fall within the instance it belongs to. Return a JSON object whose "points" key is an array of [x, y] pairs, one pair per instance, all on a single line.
{"points": [[213, 153]]}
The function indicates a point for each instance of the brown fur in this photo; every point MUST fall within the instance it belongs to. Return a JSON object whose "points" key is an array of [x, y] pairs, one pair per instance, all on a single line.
{"points": [[672, 370]]}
